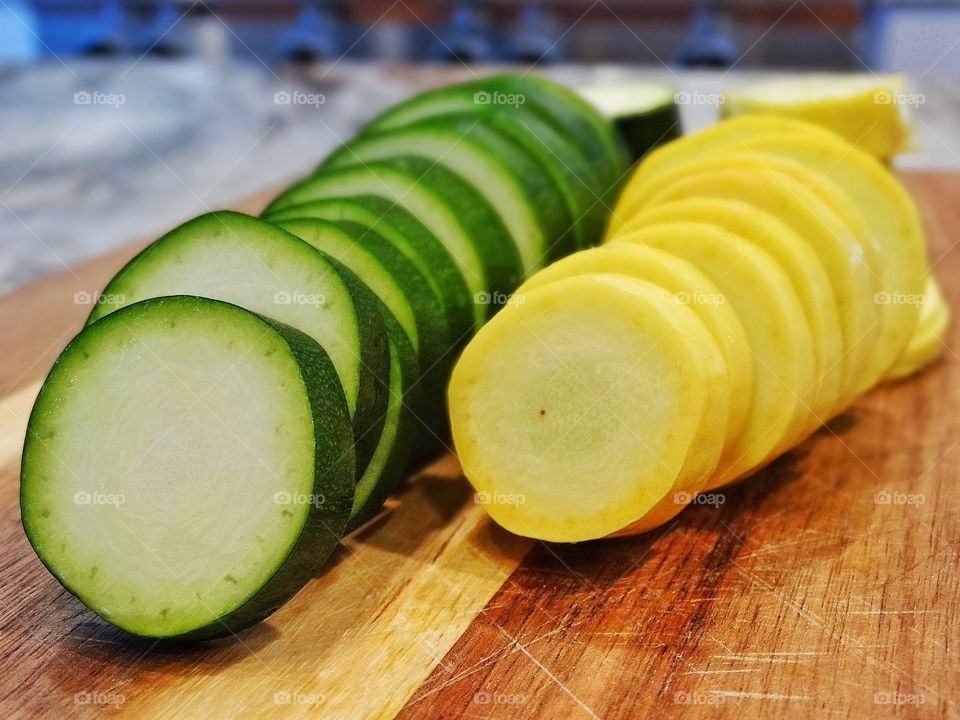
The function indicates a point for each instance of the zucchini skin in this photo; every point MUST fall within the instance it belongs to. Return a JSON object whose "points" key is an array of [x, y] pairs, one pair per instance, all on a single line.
{"points": [[334, 470], [393, 222], [482, 224], [410, 428], [556, 104], [646, 131], [411, 442], [540, 191], [372, 396], [434, 361], [370, 403]]}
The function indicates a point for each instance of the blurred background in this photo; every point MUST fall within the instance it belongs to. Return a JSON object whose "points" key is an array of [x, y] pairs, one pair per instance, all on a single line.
{"points": [[121, 118]]}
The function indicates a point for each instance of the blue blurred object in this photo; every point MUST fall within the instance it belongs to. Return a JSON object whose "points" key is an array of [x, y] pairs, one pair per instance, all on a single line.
{"points": [[95, 28], [707, 46], [158, 37], [534, 42], [18, 34], [316, 36], [466, 38]]}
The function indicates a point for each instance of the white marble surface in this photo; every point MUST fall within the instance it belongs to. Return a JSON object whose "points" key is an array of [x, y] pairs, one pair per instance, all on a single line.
{"points": [[165, 141]]}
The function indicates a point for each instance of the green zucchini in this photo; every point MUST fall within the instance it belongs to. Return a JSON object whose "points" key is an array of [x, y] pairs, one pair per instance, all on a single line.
{"points": [[409, 236], [559, 106], [512, 181], [645, 114], [188, 467], [400, 432], [466, 224], [579, 182], [404, 292], [251, 263]]}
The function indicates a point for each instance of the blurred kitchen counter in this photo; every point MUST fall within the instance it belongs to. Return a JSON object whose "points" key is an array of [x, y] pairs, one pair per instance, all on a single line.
{"points": [[95, 154]]}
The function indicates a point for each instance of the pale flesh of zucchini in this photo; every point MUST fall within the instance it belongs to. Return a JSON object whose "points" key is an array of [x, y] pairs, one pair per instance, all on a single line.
{"points": [[188, 466], [570, 439], [485, 173]]}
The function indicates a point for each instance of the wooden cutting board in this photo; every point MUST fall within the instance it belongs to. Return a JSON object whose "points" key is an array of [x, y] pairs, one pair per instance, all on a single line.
{"points": [[827, 585]]}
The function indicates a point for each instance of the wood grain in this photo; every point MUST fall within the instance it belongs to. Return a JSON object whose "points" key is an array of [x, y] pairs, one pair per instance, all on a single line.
{"points": [[804, 593]]}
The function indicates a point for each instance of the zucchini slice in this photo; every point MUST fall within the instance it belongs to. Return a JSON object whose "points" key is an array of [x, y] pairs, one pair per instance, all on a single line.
{"points": [[568, 113], [409, 236], [831, 239], [801, 264], [645, 114], [188, 467], [466, 224], [689, 287], [759, 292], [248, 262], [399, 436], [388, 273], [404, 292], [580, 183], [567, 440], [512, 181]]}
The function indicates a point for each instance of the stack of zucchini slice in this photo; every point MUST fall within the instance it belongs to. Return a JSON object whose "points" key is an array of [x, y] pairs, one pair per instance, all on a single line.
{"points": [[757, 278], [247, 390]]}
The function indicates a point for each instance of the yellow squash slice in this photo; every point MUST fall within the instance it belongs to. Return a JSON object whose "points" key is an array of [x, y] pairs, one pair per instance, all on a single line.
{"points": [[760, 293], [727, 136], [810, 219], [690, 287], [929, 338], [798, 260], [573, 409], [892, 223], [867, 110]]}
